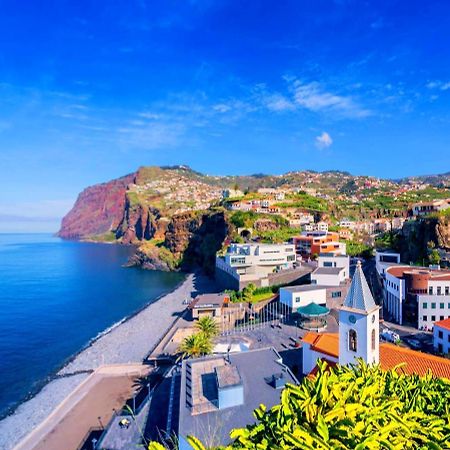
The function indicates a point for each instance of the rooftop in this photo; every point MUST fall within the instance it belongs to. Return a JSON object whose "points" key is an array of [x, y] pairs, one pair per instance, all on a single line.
{"points": [[328, 270], [205, 300], [254, 367], [304, 288], [227, 376], [433, 274], [408, 361], [359, 296], [445, 324]]}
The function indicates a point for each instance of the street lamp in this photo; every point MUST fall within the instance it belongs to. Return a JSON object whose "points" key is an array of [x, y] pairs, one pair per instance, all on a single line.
{"points": [[94, 443]]}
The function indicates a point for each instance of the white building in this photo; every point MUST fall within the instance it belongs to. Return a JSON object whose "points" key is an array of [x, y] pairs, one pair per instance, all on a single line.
{"points": [[428, 289], [332, 270], [329, 260], [383, 260], [329, 276], [441, 336], [420, 209], [246, 258], [253, 263], [299, 296], [322, 226]]}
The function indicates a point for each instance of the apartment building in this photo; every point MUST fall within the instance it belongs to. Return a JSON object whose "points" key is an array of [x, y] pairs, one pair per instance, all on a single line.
{"points": [[420, 296], [317, 242], [255, 263]]}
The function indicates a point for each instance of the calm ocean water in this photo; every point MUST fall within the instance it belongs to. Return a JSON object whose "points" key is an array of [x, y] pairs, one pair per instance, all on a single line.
{"points": [[55, 296]]}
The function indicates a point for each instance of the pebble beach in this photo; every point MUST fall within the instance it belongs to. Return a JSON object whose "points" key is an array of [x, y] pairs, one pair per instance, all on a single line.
{"points": [[128, 342]]}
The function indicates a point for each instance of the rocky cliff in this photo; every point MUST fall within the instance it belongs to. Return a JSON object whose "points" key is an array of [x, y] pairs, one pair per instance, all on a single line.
{"points": [[415, 236], [98, 209]]}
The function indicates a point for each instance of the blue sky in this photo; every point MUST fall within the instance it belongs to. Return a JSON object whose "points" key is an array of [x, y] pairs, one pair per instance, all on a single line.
{"points": [[91, 90]]}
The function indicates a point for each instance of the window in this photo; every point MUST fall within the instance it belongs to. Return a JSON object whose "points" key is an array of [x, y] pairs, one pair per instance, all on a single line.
{"points": [[430, 290], [433, 318], [448, 337], [442, 305], [373, 340], [352, 341], [425, 305], [440, 334], [447, 290], [425, 318], [438, 290], [433, 305], [336, 294], [440, 348], [441, 318], [327, 264]]}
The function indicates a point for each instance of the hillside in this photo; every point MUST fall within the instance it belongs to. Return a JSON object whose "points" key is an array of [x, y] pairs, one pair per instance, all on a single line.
{"points": [[169, 208]]}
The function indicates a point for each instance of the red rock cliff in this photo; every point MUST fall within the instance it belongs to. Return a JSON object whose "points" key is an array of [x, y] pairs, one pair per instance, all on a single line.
{"points": [[98, 209]]}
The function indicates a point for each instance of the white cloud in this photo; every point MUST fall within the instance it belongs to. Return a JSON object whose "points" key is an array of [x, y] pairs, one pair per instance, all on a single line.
{"points": [[438, 85], [313, 97], [324, 140], [278, 103]]}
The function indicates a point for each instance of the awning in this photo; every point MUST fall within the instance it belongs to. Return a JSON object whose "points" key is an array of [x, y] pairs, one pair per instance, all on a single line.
{"points": [[313, 310]]}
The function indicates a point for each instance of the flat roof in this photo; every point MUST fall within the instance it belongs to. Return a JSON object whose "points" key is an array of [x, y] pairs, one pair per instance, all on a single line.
{"points": [[255, 368], [227, 376], [205, 300], [304, 288], [328, 270]]}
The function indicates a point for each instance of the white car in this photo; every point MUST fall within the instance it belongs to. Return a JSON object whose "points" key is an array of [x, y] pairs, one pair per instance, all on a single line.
{"points": [[389, 335]]}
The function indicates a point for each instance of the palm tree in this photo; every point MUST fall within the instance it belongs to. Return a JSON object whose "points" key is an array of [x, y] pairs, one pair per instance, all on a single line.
{"points": [[208, 326], [195, 345]]}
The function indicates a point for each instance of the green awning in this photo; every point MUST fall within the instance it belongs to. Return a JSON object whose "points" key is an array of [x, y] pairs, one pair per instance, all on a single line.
{"points": [[313, 310]]}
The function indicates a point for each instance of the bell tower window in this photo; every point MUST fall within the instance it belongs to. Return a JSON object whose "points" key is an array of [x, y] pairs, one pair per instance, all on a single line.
{"points": [[352, 341], [373, 339]]}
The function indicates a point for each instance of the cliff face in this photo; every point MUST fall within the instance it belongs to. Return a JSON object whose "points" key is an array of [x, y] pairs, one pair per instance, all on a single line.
{"points": [[196, 237], [415, 236], [98, 209], [139, 222]]}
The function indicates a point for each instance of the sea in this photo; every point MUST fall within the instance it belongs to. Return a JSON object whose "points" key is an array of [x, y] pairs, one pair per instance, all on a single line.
{"points": [[56, 297]]}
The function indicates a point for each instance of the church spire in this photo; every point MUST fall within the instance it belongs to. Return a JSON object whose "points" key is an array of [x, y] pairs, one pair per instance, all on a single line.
{"points": [[359, 296]]}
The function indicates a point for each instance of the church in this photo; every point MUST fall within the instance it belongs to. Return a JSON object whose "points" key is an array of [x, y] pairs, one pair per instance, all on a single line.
{"points": [[358, 337]]}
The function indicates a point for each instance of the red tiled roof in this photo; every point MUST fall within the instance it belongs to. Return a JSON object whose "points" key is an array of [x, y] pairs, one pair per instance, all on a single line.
{"points": [[411, 361], [443, 324], [326, 343]]}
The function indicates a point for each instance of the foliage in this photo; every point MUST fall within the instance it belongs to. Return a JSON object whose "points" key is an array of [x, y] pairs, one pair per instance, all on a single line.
{"points": [[244, 219], [434, 257], [360, 407], [278, 236], [208, 326], [252, 293], [304, 201], [359, 249], [196, 345]]}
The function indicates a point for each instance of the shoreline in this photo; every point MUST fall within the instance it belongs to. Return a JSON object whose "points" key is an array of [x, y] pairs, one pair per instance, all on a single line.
{"points": [[128, 341]]}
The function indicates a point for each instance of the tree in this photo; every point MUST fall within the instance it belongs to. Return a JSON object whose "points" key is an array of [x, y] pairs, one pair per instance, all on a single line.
{"points": [[434, 257], [208, 326], [195, 345]]}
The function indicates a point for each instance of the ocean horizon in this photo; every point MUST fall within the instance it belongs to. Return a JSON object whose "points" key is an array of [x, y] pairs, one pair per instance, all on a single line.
{"points": [[56, 297]]}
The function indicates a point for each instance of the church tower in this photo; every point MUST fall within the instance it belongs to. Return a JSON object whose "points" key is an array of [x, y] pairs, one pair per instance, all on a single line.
{"points": [[359, 324]]}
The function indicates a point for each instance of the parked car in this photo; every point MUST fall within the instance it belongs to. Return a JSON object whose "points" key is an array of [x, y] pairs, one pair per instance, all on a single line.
{"points": [[414, 343], [389, 335]]}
